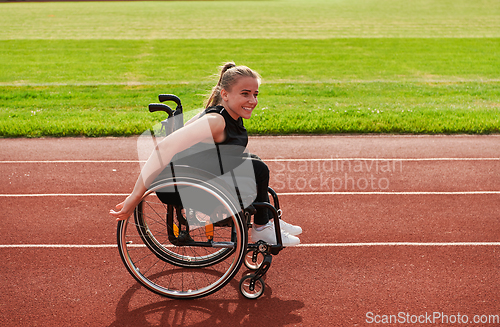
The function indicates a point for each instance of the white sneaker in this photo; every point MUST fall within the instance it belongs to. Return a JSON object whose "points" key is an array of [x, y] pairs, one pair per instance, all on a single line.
{"points": [[289, 228], [268, 235]]}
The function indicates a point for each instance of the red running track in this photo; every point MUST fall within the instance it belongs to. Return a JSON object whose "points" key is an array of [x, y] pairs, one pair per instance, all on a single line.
{"points": [[403, 225]]}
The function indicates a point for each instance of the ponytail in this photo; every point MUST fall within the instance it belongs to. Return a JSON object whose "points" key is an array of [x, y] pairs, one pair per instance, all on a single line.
{"points": [[229, 74]]}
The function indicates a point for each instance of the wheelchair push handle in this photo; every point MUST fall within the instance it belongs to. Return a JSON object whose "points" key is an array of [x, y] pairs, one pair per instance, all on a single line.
{"points": [[169, 97], [174, 98], [153, 107], [174, 120]]}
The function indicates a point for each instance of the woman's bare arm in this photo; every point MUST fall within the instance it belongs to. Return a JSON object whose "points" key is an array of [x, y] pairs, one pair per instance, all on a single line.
{"points": [[208, 128]]}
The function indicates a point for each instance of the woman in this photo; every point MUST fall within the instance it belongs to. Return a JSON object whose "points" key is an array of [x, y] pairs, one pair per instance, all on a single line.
{"points": [[233, 98]]}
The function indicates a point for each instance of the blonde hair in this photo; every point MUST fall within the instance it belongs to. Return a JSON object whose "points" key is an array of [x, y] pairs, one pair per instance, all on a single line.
{"points": [[229, 75]]}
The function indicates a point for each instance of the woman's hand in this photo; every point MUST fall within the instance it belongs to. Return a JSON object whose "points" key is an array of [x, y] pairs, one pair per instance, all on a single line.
{"points": [[124, 209]]}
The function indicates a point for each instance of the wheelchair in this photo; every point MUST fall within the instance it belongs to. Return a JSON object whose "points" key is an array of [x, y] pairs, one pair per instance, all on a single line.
{"points": [[190, 249]]}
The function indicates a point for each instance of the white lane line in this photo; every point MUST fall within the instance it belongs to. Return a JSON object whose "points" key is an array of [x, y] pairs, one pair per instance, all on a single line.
{"points": [[67, 161], [269, 160], [383, 159], [400, 244], [61, 194], [284, 193], [309, 245], [56, 246], [390, 193]]}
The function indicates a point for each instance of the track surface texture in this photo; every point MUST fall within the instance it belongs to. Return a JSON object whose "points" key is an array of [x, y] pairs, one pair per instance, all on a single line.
{"points": [[401, 229]]}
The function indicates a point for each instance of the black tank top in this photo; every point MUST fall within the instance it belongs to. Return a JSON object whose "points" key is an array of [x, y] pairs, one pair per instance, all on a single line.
{"points": [[226, 155], [236, 133]]}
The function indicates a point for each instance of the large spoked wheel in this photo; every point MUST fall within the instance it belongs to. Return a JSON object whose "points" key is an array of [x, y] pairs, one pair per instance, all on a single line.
{"points": [[184, 252]]}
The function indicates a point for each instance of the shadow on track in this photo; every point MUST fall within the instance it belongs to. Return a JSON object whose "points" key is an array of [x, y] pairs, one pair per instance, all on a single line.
{"points": [[267, 310]]}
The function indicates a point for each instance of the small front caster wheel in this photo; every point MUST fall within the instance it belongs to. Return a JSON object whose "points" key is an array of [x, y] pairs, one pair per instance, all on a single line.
{"points": [[253, 265], [251, 291]]}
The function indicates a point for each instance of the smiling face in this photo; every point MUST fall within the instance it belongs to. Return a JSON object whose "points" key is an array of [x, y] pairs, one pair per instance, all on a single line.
{"points": [[241, 99]]}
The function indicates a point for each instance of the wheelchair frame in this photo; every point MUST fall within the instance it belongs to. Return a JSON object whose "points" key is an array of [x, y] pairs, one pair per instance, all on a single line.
{"points": [[185, 253]]}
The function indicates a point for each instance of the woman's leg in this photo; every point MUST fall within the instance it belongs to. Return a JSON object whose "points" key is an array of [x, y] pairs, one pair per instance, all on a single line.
{"points": [[262, 230], [261, 172]]}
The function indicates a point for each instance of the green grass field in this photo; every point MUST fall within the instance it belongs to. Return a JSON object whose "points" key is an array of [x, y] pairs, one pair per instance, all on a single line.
{"points": [[336, 66]]}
